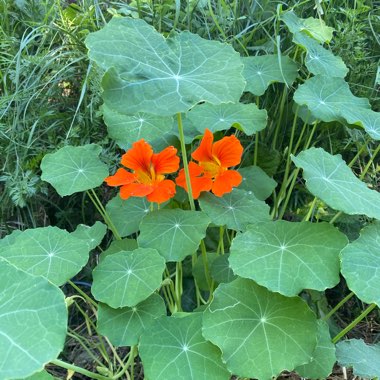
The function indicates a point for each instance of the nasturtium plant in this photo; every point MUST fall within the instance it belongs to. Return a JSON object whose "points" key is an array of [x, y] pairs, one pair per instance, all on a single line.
{"points": [[91, 235], [255, 180]]}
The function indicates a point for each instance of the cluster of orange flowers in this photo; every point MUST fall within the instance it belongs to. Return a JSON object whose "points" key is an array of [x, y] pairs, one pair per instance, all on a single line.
{"points": [[148, 169]]}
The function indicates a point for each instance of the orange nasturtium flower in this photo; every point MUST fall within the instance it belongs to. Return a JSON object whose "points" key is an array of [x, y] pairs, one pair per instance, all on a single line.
{"points": [[148, 173], [211, 172]]}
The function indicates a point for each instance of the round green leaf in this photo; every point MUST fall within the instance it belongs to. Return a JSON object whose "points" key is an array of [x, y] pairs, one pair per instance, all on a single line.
{"points": [[118, 246], [123, 327], [287, 257], [174, 233], [246, 117], [261, 71], [330, 179], [257, 181], [128, 278], [365, 118], [364, 358], [93, 235], [48, 251], [162, 76], [220, 269], [323, 357], [72, 169], [174, 348], [236, 209], [361, 264], [252, 326], [43, 375], [33, 322]]}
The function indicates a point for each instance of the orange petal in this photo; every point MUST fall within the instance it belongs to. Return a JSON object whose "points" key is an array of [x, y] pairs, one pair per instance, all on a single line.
{"points": [[225, 182], [121, 177], [204, 152], [166, 161], [163, 192], [138, 157], [135, 190], [198, 183], [228, 151]]}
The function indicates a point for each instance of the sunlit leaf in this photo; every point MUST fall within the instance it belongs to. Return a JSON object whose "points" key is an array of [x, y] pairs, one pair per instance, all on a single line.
{"points": [[329, 178], [128, 277], [43, 375], [148, 73], [288, 257], [257, 181], [93, 235], [74, 168], [252, 326], [33, 322], [174, 348]]}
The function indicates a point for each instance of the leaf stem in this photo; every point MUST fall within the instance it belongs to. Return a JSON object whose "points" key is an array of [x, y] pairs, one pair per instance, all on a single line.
{"points": [[80, 370], [338, 306]]}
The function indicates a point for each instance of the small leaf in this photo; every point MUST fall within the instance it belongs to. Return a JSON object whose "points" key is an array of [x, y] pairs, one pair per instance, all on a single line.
{"points": [[128, 278], [246, 117], [257, 181], [199, 270], [252, 326], [33, 322], [221, 271], [236, 209], [174, 348], [174, 233], [287, 257], [261, 71], [123, 327], [93, 235], [330, 179], [72, 169], [364, 358], [361, 264]]}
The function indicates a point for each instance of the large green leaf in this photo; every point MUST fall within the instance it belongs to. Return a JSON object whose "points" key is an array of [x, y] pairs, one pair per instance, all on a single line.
{"points": [[236, 209], [361, 264], [93, 235], [323, 357], [162, 76], [261, 71], [33, 322], [246, 117], [127, 214], [124, 326], [319, 60], [287, 257], [43, 375], [252, 327], [74, 168], [330, 179], [48, 251], [364, 358], [174, 348], [174, 233], [128, 277]]}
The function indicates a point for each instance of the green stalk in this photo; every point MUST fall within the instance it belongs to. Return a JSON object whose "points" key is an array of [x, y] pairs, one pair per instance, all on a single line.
{"points": [[338, 306], [128, 364], [206, 266], [80, 370], [83, 294], [178, 285]]}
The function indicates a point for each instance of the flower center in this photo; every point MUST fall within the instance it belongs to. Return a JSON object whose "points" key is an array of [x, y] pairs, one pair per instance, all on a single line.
{"points": [[212, 168], [148, 178]]}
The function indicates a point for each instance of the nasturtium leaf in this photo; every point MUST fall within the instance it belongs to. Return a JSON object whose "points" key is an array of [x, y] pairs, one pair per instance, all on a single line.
{"points": [[257, 181], [127, 214], [252, 325], [118, 246], [33, 322], [365, 118], [287, 257], [220, 269], [173, 348], [236, 209], [329, 178], [323, 357], [199, 269], [148, 73], [361, 264], [48, 251], [261, 71], [320, 60], [362, 357], [93, 235], [127, 129], [246, 117], [124, 326], [43, 375], [313, 27], [174, 233], [8, 240], [128, 277], [74, 168]]}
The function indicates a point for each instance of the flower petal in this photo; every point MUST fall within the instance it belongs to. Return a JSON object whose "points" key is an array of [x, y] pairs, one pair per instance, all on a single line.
{"points": [[135, 190], [138, 157], [163, 192], [228, 151], [166, 161], [204, 151], [225, 182], [121, 177]]}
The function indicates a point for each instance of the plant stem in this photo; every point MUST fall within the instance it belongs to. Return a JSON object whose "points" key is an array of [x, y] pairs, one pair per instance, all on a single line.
{"points": [[80, 370], [338, 306]]}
